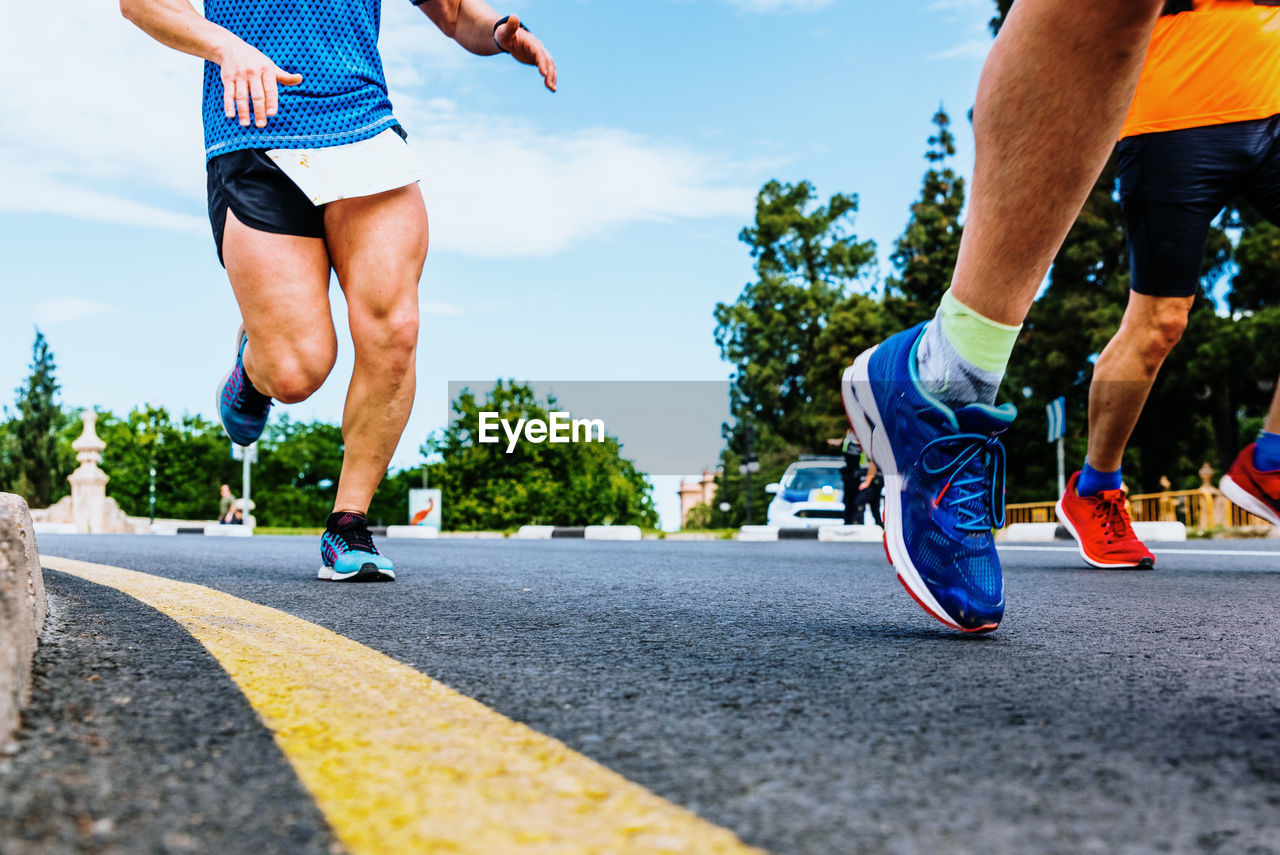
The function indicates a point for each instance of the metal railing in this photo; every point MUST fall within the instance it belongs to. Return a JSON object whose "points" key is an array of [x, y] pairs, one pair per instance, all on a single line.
{"points": [[1196, 509], [1030, 512]]}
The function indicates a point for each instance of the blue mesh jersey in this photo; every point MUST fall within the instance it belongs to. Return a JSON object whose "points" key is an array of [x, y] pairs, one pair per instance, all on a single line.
{"points": [[333, 44]]}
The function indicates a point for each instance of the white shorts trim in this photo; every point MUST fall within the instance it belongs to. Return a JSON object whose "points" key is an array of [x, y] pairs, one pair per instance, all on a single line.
{"points": [[375, 165]]}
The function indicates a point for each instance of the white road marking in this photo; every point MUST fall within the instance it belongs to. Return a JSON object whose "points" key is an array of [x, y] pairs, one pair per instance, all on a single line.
{"points": [[1275, 553]]}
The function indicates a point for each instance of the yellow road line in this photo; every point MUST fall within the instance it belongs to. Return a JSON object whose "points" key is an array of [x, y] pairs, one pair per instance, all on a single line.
{"points": [[400, 763]]}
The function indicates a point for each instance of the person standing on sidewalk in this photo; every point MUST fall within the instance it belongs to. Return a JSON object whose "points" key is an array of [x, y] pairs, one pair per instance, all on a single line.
{"points": [[225, 503], [860, 482], [1204, 127], [1051, 101], [308, 172]]}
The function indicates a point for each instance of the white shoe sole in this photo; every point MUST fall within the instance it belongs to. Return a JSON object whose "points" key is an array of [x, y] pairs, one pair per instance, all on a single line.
{"points": [[1241, 497], [368, 573], [1065, 521], [864, 417]]}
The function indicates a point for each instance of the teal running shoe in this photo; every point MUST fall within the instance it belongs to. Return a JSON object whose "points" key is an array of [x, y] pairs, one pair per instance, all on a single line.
{"points": [[242, 409], [348, 553], [944, 476]]}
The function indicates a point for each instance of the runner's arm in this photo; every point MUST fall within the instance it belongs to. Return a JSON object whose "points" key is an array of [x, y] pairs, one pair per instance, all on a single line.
{"points": [[471, 24], [249, 78]]}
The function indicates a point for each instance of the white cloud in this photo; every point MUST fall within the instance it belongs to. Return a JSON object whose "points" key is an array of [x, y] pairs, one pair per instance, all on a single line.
{"points": [[109, 129], [61, 310], [976, 14], [963, 8], [500, 187], [971, 49], [444, 310], [767, 6]]}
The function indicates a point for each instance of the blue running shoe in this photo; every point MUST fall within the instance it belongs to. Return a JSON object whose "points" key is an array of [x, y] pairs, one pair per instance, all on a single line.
{"points": [[242, 409], [944, 483], [348, 553]]}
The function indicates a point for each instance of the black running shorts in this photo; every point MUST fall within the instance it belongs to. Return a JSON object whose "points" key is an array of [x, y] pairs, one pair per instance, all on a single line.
{"points": [[1172, 184], [262, 197]]}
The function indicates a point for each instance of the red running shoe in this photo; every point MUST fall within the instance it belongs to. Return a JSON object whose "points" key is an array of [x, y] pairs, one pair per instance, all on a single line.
{"points": [[1103, 530], [1251, 489]]}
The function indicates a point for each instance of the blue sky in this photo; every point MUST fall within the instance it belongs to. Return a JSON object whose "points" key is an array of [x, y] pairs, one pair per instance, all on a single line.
{"points": [[585, 235]]}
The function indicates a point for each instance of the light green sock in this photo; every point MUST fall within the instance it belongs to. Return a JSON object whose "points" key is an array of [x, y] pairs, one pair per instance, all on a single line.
{"points": [[980, 341], [962, 355]]}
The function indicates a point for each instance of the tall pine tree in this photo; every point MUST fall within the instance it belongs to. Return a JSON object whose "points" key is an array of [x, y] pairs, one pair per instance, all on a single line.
{"points": [[807, 260], [925, 255], [789, 335], [37, 468]]}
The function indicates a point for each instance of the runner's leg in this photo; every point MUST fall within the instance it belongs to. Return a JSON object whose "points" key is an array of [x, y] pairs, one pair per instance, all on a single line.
{"points": [[281, 283], [1053, 95], [1050, 105], [1126, 371], [378, 245]]}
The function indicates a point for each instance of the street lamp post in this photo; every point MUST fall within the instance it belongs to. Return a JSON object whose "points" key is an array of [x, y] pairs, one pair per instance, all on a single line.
{"points": [[745, 470]]}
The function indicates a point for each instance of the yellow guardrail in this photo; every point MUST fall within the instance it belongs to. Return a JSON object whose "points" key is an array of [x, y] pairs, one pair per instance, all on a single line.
{"points": [[1196, 509]]}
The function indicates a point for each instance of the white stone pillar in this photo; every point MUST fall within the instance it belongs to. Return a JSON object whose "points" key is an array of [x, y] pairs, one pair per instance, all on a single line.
{"points": [[88, 482]]}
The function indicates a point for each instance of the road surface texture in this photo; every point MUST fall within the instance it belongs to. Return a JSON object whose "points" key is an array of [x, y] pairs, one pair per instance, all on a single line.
{"points": [[791, 693]]}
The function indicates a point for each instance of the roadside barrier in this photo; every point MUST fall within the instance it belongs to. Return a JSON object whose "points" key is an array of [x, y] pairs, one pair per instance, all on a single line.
{"points": [[588, 532], [1195, 509], [23, 609], [832, 533]]}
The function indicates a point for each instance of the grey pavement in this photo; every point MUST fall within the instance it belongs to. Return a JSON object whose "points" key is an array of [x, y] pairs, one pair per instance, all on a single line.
{"points": [[136, 741], [791, 692]]}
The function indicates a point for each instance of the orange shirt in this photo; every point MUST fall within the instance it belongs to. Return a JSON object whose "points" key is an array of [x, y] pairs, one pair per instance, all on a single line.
{"points": [[1216, 64]]}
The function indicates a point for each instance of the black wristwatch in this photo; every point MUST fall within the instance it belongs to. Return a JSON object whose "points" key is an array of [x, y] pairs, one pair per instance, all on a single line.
{"points": [[499, 23]]}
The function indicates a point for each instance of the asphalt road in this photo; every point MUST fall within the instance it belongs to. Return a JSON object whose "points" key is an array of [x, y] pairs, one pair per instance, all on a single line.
{"points": [[790, 692]]}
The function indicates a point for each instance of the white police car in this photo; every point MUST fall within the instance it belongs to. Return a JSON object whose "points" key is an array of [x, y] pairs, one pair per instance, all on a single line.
{"points": [[810, 494]]}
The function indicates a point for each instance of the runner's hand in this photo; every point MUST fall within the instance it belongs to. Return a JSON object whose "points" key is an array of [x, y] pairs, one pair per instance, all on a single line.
{"points": [[249, 84], [526, 48]]}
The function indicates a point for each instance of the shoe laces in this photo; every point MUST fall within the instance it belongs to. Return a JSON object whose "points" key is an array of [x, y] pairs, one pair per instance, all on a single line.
{"points": [[974, 466], [355, 533], [249, 400], [1110, 510]]}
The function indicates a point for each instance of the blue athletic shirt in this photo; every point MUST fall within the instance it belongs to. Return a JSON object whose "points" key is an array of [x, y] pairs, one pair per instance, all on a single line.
{"points": [[333, 44]]}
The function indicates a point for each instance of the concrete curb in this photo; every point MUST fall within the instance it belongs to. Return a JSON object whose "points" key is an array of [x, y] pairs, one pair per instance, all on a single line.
{"points": [[850, 534], [613, 532], [23, 608], [589, 532], [832, 533], [412, 532], [1147, 532], [1031, 532], [171, 528]]}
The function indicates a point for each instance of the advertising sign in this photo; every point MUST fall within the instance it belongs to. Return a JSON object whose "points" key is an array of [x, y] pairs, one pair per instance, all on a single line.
{"points": [[424, 508]]}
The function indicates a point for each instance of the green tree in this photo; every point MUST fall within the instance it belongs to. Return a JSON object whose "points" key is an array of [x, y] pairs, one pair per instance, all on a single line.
{"points": [[789, 335], [191, 458], [925, 255], [390, 505], [1002, 12], [36, 463], [294, 480], [576, 483], [1257, 258], [296, 475], [777, 334]]}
